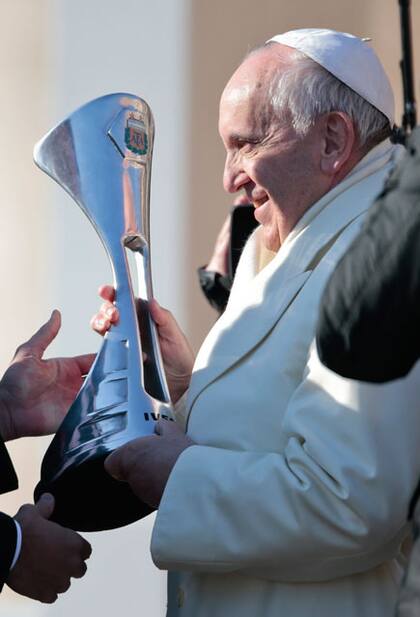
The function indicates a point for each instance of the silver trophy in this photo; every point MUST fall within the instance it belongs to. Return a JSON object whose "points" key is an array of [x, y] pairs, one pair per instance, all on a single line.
{"points": [[101, 155]]}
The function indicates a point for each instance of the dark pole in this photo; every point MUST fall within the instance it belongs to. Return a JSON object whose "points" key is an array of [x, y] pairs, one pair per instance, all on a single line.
{"points": [[406, 64]]}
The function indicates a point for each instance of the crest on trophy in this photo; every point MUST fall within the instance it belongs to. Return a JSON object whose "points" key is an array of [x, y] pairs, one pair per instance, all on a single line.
{"points": [[135, 135]]}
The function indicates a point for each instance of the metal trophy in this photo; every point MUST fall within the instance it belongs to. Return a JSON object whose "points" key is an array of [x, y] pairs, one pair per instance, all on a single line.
{"points": [[101, 155]]}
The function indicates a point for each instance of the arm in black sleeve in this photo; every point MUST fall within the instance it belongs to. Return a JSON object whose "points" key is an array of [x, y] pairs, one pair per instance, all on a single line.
{"points": [[8, 538], [215, 287], [8, 533], [8, 478]]}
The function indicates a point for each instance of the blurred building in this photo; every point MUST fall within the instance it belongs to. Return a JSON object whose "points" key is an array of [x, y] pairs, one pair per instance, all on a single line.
{"points": [[58, 54]]}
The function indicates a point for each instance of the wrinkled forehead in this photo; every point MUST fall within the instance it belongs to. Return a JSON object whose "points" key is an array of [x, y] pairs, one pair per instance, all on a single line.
{"points": [[237, 93], [249, 78], [248, 90], [239, 110]]}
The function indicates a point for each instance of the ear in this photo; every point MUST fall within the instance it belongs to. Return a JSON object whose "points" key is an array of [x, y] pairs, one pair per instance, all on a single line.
{"points": [[338, 143]]}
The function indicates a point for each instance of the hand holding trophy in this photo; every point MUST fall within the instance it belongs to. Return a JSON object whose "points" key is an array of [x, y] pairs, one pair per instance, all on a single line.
{"points": [[101, 155]]}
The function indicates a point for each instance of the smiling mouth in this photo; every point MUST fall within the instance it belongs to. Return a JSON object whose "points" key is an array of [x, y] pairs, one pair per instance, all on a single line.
{"points": [[260, 202]]}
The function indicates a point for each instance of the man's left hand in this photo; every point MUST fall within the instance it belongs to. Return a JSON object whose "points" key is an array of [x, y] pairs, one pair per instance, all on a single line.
{"points": [[146, 463], [35, 394]]}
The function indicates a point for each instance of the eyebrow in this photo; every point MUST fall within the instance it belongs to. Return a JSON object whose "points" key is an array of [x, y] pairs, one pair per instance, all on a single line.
{"points": [[243, 137]]}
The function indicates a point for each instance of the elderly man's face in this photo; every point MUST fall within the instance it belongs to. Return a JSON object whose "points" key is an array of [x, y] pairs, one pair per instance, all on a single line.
{"points": [[279, 170]]}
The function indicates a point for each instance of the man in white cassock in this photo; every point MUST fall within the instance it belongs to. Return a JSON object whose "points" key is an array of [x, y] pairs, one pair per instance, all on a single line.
{"points": [[282, 490]]}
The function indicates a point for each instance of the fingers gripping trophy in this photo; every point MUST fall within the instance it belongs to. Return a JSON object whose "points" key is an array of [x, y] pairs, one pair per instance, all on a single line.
{"points": [[101, 155]]}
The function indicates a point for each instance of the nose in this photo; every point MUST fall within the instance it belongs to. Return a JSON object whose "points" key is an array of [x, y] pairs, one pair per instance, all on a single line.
{"points": [[234, 176]]}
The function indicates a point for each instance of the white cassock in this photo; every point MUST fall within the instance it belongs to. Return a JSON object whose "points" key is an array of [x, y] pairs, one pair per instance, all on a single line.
{"points": [[293, 502]]}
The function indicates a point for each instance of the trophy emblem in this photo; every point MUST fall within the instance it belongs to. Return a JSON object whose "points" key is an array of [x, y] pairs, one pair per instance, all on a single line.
{"points": [[101, 155], [136, 136]]}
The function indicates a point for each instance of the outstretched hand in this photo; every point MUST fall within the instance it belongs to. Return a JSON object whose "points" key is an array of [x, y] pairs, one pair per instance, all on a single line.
{"points": [[177, 356], [35, 394]]}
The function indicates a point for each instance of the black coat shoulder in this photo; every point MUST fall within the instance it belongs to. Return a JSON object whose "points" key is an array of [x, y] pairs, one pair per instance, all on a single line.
{"points": [[368, 326]]}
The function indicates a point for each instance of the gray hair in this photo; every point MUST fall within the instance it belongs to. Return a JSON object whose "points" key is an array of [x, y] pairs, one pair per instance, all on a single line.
{"points": [[307, 90]]}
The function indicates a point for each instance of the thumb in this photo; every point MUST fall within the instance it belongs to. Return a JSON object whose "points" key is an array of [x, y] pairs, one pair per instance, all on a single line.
{"points": [[159, 315], [121, 463], [39, 342], [45, 505], [166, 324], [166, 428], [114, 465]]}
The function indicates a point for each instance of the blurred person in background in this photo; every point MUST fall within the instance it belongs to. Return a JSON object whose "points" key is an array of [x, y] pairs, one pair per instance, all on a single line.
{"points": [[217, 276]]}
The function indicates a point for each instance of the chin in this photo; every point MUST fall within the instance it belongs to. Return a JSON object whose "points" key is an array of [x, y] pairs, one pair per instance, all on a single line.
{"points": [[271, 241]]}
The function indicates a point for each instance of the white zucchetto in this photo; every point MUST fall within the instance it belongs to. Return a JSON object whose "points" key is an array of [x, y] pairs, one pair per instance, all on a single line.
{"points": [[350, 59]]}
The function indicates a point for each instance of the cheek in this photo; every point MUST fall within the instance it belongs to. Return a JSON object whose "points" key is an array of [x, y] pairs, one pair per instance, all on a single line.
{"points": [[261, 171], [250, 166]]}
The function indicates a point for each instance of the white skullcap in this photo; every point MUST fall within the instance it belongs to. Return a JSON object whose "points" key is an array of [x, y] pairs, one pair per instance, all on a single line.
{"points": [[348, 58]]}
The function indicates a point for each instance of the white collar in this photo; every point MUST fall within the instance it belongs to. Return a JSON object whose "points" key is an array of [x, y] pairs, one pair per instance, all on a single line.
{"points": [[371, 162]]}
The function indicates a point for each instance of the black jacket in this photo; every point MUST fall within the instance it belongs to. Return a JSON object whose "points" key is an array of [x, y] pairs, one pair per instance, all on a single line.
{"points": [[8, 482], [369, 323]]}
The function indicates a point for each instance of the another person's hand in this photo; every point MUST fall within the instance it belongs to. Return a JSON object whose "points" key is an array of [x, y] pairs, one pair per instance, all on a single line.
{"points": [[35, 394], [50, 554], [177, 356], [146, 463]]}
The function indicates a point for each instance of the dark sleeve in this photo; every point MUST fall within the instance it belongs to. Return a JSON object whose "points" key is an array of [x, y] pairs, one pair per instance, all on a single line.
{"points": [[215, 287], [8, 478], [369, 325], [8, 537]]}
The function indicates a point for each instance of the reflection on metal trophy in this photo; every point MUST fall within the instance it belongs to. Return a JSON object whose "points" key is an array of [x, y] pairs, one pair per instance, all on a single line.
{"points": [[101, 155]]}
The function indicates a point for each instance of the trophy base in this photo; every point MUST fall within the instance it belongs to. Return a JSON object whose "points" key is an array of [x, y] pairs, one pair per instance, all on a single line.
{"points": [[87, 498]]}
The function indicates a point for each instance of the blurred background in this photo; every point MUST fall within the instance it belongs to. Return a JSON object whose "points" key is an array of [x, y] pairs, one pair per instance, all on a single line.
{"points": [[56, 55]]}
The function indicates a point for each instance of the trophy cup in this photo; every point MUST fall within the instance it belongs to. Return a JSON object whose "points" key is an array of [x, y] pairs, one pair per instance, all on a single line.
{"points": [[101, 155]]}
